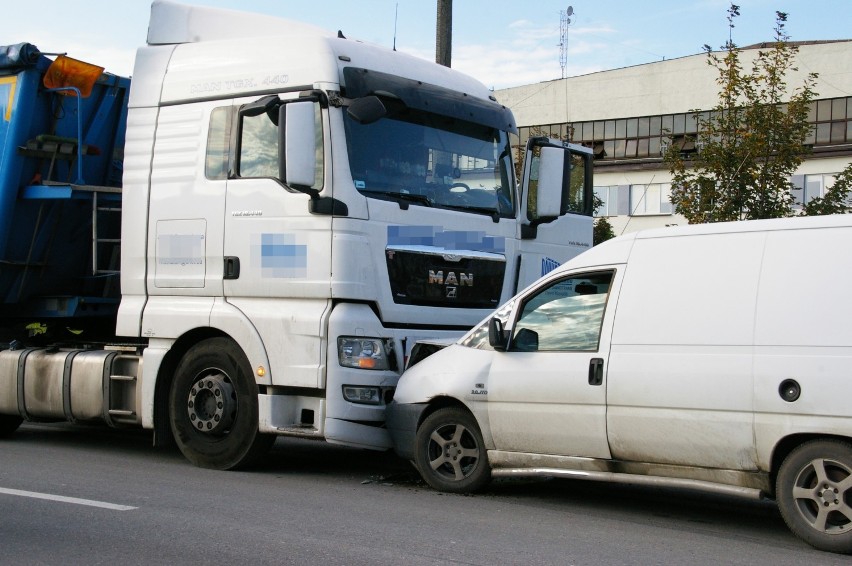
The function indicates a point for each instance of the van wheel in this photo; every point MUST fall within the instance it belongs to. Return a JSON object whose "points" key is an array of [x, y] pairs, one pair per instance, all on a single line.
{"points": [[814, 492], [213, 407], [449, 452], [9, 424]]}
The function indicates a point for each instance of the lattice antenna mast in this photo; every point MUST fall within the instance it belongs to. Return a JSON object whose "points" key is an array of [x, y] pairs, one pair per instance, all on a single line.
{"points": [[564, 22]]}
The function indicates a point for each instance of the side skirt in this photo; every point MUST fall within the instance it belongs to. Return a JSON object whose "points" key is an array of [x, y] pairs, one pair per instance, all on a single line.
{"points": [[744, 484]]}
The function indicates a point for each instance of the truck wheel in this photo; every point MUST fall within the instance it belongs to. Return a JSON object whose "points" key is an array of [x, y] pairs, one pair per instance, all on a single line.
{"points": [[814, 493], [449, 452], [9, 424], [213, 407]]}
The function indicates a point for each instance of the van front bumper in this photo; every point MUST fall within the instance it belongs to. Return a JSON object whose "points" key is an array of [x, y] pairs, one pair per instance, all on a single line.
{"points": [[402, 421]]}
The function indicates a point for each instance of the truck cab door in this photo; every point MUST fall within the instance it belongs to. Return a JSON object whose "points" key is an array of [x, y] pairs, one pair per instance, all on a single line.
{"points": [[557, 208], [275, 247]]}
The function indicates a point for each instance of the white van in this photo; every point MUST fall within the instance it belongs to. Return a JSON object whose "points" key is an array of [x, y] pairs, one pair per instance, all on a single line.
{"points": [[716, 357]]}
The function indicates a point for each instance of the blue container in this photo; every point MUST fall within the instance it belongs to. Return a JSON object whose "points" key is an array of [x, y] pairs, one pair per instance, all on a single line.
{"points": [[60, 172]]}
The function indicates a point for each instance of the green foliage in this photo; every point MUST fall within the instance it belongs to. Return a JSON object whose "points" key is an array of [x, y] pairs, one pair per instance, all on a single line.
{"points": [[602, 230], [836, 199], [752, 141]]}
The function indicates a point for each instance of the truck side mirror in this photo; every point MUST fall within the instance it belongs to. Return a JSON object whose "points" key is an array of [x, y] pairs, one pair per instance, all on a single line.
{"points": [[552, 176], [367, 109], [498, 338], [297, 149]]}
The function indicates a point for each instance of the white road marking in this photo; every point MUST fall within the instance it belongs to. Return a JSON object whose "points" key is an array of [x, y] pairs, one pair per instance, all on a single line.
{"points": [[63, 499]]}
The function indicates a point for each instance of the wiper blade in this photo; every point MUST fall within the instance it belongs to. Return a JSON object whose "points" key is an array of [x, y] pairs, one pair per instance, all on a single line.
{"points": [[422, 199], [492, 212], [402, 198]]}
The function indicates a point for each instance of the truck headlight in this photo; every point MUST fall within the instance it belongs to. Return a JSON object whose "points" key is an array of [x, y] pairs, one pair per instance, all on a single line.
{"points": [[364, 353]]}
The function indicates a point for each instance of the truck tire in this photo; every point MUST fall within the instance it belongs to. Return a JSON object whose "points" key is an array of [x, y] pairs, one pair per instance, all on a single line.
{"points": [[9, 424], [213, 407], [814, 494], [449, 452]]}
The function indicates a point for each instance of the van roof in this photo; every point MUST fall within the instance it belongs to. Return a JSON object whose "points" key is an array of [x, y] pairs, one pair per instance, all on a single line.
{"points": [[793, 223], [617, 250]]}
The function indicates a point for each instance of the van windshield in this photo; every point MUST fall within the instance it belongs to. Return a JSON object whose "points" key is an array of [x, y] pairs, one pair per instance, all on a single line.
{"points": [[429, 160]]}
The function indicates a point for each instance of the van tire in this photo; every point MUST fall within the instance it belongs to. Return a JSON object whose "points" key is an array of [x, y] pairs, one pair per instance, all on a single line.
{"points": [[814, 494], [213, 407], [449, 452], [9, 424]]}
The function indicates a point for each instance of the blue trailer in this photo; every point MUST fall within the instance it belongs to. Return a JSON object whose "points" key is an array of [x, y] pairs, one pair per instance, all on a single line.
{"points": [[62, 126]]}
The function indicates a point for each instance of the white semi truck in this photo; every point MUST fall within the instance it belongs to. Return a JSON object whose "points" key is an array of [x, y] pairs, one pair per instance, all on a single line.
{"points": [[296, 209]]}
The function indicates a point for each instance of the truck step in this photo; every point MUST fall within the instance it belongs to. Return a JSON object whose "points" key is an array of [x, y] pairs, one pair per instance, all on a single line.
{"points": [[123, 377], [121, 413], [302, 431]]}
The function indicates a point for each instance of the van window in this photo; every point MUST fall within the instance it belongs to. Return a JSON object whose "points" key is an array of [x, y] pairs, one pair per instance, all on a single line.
{"points": [[565, 316]]}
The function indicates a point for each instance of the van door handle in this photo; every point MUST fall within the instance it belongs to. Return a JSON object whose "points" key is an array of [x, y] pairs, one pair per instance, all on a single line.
{"points": [[232, 268], [596, 371]]}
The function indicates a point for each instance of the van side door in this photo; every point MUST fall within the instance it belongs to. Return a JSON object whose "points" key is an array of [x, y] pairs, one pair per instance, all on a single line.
{"points": [[547, 391], [680, 381]]}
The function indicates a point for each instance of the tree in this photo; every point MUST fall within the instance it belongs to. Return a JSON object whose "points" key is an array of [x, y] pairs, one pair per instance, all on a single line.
{"points": [[835, 200], [752, 141], [602, 230]]}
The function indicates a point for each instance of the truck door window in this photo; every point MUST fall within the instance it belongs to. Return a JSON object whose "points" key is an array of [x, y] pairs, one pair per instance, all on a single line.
{"points": [[218, 144], [577, 198], [576, 201], [258, 147], [565, 316], [258, 139]]}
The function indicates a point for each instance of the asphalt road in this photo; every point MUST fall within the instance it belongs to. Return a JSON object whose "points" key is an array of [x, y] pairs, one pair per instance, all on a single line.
{"points": [[89, 495]]}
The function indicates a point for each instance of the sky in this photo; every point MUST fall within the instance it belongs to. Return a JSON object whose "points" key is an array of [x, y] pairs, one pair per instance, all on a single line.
{"points": [[502, 43]]}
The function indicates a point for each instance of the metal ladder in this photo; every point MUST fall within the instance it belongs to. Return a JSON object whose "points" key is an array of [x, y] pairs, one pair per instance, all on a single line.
{"points": [[106, 247]]}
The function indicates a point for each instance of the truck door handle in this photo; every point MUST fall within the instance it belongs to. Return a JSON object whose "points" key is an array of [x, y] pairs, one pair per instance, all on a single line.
{"points": [[232, 268], [596, 371]]}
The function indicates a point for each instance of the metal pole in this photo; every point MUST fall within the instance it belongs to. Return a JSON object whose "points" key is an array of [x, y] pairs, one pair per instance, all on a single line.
{"points": [[444, 33]]}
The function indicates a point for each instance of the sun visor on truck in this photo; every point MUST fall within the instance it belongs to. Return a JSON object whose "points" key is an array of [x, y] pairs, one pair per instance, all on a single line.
{"points": [[430, 98]]}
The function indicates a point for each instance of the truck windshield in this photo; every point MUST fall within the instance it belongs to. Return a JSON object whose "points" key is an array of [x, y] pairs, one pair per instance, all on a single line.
{"points": [[428, 160]]}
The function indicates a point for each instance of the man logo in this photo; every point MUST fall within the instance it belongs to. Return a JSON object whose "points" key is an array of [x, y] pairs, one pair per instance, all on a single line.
{"points": [[452, 281], [462, 279]]}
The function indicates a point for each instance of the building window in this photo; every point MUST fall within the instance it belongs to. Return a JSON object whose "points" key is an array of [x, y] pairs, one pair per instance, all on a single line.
{"points": [[645, 137], [654, 198], [609, 198], [808, 187], [832, 121]]}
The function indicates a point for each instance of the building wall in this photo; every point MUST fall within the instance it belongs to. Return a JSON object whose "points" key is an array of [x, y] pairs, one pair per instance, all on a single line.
{"points": [[664, 87], [675, 87]]}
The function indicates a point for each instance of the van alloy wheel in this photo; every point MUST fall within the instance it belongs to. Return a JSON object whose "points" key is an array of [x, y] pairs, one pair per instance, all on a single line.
{"points": [[450, 453], [814, 492]]}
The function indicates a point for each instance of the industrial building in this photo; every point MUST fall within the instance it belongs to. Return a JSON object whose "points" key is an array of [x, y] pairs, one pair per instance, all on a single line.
{"points": [[627, 115]]}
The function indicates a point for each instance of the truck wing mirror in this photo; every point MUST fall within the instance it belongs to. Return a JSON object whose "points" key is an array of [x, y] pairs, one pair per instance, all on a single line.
{"points": [[498, 337], [367, 109], [268, 104], [552, 176], [298, 146]]}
